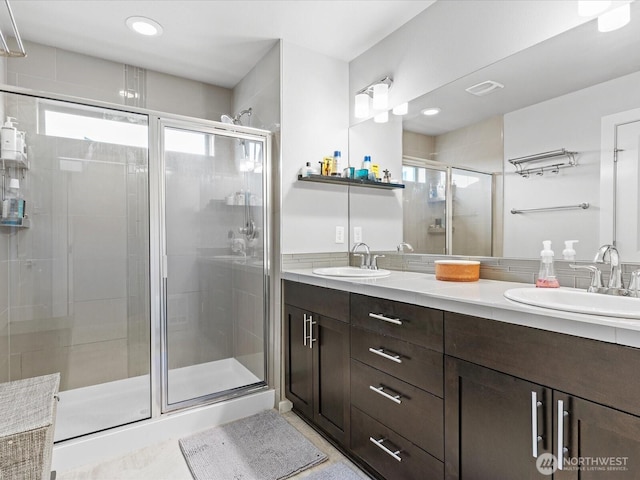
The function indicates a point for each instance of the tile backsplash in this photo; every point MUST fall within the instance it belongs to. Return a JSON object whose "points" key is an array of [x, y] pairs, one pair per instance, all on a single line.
{"points": [[491, 268]]}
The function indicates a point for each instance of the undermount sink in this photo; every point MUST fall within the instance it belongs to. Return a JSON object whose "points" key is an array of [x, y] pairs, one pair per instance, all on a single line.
{"points": [[577, 301], [351, 272]]}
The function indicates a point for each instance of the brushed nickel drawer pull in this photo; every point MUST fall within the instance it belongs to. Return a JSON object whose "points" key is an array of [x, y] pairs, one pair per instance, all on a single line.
{"points": [[380, 390], [394, 357], [379, 316], [535, 438], [378, 443]]}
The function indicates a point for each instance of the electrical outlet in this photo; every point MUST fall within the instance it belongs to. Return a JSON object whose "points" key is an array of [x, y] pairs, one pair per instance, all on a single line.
{"points": [[357, 234], [339, 234]]}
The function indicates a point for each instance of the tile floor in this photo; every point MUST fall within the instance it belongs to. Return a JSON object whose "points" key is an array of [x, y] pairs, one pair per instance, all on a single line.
{"points": [[164, 461]]}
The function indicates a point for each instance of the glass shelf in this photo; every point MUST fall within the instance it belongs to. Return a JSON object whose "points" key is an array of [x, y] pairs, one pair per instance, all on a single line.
{"points": [[358, 182]]}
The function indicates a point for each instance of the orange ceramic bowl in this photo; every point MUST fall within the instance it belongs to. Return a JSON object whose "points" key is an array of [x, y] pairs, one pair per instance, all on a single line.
{"points": [[457, 270]]}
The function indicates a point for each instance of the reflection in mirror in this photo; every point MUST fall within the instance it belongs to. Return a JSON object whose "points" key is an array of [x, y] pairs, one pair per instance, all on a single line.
{"points": [[572, 91]]}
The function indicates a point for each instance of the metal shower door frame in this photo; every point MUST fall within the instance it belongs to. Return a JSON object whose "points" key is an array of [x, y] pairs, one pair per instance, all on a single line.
{"points": [[159, 335]]}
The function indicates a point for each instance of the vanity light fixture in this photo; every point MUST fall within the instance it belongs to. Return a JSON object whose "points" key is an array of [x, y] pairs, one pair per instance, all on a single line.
{"points": [[381, 117], [614, 19], [431, 111], [401, 109], [378, 91], [361, 109], [144, 26], [591, 8]]}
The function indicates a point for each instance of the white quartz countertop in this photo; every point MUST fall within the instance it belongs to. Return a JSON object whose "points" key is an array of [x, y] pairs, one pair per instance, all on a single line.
{"points": [[484, 298]]}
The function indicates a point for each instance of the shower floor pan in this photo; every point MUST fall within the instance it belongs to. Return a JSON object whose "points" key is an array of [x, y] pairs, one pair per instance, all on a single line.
{"points": [[86, 410]]}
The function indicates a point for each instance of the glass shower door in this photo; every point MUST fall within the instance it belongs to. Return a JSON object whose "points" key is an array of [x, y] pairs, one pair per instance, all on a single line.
{"points": [[215, 302], [471, 212]]}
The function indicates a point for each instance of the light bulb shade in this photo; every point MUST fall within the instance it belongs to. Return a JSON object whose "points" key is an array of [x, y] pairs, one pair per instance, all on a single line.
{"points": [[381, 117], [614, 19], [380, 96], [401, 109], [591, 8], [361, 109]]}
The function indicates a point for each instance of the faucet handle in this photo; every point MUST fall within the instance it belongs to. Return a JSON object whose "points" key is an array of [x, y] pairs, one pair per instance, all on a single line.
{"points": [[374, 264], [596, 277], [634, 285]]}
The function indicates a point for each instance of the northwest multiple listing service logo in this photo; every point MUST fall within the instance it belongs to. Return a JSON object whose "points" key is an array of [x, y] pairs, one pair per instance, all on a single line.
{"points": [[547, 464]]}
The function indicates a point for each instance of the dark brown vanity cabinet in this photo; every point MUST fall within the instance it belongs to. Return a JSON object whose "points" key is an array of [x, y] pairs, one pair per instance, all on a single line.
{"points": [[397, 424], [317, 356], [506, 404]]}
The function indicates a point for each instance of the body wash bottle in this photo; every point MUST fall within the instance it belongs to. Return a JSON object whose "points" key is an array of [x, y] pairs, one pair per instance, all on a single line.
{"points": [[546, 275]]}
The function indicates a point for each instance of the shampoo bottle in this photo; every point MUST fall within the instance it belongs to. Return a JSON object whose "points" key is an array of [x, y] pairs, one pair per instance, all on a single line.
{"points": [[336, 163], [546, 275]]}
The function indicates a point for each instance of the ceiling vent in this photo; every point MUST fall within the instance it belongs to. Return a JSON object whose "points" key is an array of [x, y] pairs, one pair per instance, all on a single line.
{"points": [[484, 88]]}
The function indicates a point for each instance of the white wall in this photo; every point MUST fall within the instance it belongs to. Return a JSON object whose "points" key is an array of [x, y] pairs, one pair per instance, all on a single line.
{"points": [[378, 212], [315, 122], [573, 122], [455, 37]]}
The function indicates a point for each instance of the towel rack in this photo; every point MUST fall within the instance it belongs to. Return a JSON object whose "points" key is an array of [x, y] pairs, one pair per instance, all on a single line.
{"points": [[583, 206], [523, 167]]}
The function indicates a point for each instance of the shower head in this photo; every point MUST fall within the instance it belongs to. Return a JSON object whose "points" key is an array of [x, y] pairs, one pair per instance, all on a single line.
{"points": [[236, 120], [227, 119]]}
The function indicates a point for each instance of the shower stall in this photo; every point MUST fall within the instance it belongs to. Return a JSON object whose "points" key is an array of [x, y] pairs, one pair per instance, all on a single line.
{"points": [[138, 266]]}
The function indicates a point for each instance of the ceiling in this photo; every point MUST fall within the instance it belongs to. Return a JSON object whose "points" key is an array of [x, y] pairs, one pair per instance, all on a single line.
{"points": [[214, 41], [576, 59]]}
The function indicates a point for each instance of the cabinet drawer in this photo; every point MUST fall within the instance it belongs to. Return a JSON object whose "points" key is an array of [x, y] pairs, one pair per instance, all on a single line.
{"points": [[419, 325], [413, 413], [414, 463], [323, 301], [416, 365]]}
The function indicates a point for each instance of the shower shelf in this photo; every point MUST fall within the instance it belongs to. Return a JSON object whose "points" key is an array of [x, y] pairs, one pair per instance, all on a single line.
{"points": [[349, 181], [25, 223], [20, 162]]}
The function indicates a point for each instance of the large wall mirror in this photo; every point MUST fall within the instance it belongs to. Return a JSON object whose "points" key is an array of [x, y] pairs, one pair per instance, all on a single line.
{"points": [[520, 151]]}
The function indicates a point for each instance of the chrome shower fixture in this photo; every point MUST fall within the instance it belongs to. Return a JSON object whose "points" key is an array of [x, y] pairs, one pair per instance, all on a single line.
{"points": [[6, 51], [236, 120]]}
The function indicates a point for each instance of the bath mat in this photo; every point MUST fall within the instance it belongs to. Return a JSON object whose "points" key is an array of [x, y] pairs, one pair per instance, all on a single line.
{"points": [[337, 471], [261, 447]]}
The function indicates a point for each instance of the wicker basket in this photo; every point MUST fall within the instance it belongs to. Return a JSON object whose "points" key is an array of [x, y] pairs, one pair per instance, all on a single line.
{"points": [[27, 421]]}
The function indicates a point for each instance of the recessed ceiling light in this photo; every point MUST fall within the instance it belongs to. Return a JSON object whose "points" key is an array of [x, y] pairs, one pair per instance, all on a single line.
{"points": [[144, 26], [431, 111]]}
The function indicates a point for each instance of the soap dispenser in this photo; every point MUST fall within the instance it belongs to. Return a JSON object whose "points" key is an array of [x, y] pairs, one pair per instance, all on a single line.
{"points": [[546, 275], [569, 253], [9, 140]]}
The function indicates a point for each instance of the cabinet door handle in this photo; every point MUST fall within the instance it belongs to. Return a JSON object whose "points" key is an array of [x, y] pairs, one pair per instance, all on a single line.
{"points": [[380, 390], [378, 443], [561, 449], [304, 330], [535, 438], [389, 355], [311, 324], [379, 316]]}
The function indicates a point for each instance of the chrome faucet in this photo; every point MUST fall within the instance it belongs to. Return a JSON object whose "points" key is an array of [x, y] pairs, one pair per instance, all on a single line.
{"points": [[608, 254], [404, 245], [365, 259]]}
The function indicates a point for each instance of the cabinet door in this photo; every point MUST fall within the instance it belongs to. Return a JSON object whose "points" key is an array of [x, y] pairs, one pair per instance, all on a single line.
{"points": [[495, 427], [331, 376], [601, 443], [299, 360]]}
